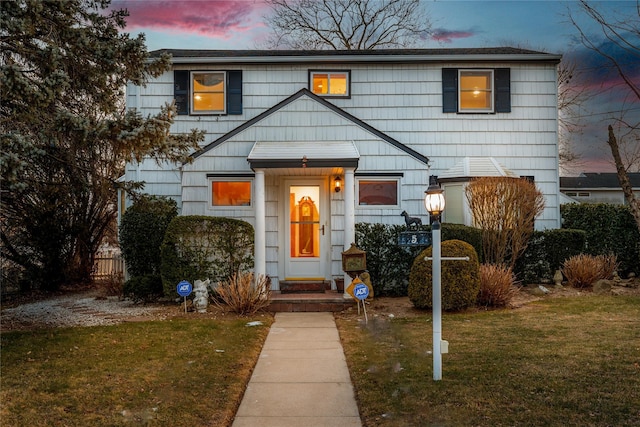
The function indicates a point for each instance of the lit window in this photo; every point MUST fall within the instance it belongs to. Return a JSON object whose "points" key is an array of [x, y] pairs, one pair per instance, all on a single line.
{"points": [[476, 90], [330, 83], [231, 193], [208, 92], [377, 192]]}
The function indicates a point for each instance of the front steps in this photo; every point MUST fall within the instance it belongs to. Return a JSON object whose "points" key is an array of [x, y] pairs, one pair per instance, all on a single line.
{"points": [[331, 301]]}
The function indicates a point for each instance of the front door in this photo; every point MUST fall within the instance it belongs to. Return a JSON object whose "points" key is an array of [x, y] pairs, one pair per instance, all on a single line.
{"points": [[306, 230]]}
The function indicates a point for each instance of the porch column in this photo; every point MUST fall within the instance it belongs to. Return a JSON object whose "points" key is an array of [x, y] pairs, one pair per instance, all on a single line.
{"points": [[260, 238], [349, 216]]}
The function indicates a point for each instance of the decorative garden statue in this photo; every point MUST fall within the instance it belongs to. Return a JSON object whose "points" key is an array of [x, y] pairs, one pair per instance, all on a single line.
{"points": [[201, 298]]}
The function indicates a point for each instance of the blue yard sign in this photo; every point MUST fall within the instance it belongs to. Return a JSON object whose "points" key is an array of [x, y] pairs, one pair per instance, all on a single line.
{"points": [[361, 291], [184, 288]]}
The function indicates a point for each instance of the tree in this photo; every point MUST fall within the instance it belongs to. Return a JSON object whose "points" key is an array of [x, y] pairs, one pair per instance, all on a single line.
{"points": [[346, 24], [619, 45], [66, 134], [505, 210]]}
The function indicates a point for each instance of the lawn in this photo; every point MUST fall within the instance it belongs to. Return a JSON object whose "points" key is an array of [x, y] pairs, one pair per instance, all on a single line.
{"points": [[165, 373], [562, 361]]}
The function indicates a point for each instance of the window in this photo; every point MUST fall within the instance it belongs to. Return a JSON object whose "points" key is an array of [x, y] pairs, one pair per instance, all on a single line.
{"points": [[208, 95], [208, 92], [476, 90], [330, 83], [377, 192], [230, 193]]}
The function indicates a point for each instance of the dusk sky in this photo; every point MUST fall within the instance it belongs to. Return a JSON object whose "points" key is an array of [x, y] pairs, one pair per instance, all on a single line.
{"points": [[537, 25]]}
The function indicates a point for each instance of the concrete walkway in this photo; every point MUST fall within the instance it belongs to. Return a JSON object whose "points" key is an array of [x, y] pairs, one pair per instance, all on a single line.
{"points": [[301, 378]]}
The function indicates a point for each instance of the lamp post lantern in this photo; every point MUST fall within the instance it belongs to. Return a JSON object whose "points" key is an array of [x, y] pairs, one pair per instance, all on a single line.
{"points": [[434, 203]]}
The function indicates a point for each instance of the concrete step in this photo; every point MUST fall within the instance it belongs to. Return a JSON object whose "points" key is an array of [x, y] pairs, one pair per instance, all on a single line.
{"points": [[327, 301]]}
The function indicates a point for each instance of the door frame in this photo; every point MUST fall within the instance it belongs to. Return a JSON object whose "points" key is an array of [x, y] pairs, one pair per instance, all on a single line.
{"points": [[325, 220]]}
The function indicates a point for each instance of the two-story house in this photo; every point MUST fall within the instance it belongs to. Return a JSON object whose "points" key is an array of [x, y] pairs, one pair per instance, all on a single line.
{"points": [[305, 144]]}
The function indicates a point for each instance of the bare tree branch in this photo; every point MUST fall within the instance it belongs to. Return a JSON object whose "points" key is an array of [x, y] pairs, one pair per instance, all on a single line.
{"points": [[345, 24]]}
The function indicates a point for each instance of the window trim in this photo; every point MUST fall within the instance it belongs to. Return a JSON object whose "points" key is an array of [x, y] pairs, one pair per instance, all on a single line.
{"points": [[381, 178], [501, 91], [192, 94], [329, 72], [211, 178], [491, 90]]}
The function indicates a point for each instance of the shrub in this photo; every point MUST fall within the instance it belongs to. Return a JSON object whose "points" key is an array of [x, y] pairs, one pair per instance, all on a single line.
{"points": [[460, 280], [242, 294], [505, 209], [141, 232], [497, 285], [143, 288], [201, 247], [610, 229], [546, 252], [471, 235], [581, 271], [389, 264]]}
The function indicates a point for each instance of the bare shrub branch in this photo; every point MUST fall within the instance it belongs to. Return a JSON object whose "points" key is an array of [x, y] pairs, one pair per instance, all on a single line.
{"points": [[242, 294], [505, 209]]}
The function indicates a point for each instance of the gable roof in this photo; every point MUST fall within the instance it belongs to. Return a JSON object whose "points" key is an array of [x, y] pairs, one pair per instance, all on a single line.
{"points": [[324, 102], [183, 56], [595, 180]]}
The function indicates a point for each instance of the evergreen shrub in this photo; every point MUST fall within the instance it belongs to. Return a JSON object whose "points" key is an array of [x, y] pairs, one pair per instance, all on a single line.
{"points": [[460, 280], [546, 252], [205, 247], [389, 264], [143, 288], [610, 229], [141, 233]]}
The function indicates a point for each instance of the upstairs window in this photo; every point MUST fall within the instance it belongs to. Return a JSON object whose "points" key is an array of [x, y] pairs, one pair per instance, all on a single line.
{"points": [[476, 90], [208, 95], [330, 83], [207, 92]]}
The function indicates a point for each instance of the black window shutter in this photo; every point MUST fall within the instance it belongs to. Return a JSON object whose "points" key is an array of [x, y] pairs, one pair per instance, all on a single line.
{"points": [[449, 90], [234, 92], [502, 82], [181, 91]]}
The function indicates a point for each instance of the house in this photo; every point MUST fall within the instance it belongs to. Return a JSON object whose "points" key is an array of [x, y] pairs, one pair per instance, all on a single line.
{"points": [[598, 187], [305, 144]]}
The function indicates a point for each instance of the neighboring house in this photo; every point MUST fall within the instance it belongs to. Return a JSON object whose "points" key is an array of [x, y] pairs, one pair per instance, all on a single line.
{"points": [[305, 144], [598, 187]]}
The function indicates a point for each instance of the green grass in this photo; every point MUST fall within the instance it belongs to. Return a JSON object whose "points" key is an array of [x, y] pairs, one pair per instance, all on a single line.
{"points": [[164, 373], [564, 361]]}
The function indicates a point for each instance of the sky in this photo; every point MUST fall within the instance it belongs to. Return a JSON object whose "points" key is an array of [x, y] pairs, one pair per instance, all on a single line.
{"points": [[537, 25]]}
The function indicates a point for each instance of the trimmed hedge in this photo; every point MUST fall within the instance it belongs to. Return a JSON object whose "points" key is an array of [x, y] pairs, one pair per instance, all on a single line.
{"points": [[546, 252], [460, 280], [609, 229], [142, 231], [389, 264], [205, 247]]}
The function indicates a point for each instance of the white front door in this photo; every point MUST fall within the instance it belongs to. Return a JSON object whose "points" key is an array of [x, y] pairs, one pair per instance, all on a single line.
{"points": [[307, 229]]}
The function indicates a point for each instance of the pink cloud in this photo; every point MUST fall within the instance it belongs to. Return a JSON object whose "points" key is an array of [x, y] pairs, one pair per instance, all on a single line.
{"points": [[442, 35], [208, 18]]}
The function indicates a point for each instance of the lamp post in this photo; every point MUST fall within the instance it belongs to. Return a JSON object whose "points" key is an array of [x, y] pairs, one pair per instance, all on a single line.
{"points": [[434, 203]]}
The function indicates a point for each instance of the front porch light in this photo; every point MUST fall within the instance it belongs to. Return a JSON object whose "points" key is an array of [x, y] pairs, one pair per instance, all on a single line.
{"points": [[337, 184]]}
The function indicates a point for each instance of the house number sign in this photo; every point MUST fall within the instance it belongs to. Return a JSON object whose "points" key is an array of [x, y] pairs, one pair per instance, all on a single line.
{"points": [[414, 238]]}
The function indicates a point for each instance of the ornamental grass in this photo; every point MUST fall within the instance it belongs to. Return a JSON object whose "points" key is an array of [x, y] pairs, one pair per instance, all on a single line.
{"points": [[497, 285], [582, 271]]}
